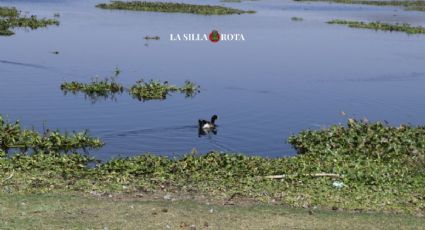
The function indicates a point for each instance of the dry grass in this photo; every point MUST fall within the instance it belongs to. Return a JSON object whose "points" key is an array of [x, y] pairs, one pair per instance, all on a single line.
{"points": [[85, 212]]}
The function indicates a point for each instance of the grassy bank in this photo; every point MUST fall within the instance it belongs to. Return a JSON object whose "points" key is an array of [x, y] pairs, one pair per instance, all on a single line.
{"points": [[83, 212], [11, 18], [359, 167], [408, 5], [381, 26], [170, 7]]}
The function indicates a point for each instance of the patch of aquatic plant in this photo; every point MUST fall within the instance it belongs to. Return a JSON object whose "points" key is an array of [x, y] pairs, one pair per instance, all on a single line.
{"points": [[408, 5], [142, 90], [238, 1], [381, 26], [105, 88], [359, 167], [297, 19], [151, 90], [152, 37], [11, 18], [418, 7], [189, 88], [13, 137], [4, 31], [160, 90], [171, 7], [31, 22], [8, 12], [97, 86]]}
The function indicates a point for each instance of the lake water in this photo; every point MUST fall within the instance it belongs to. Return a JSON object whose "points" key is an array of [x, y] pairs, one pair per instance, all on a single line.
{"points": [[285, 77]]}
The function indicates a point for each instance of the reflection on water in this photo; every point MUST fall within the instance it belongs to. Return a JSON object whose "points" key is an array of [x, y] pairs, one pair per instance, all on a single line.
{"points": [[96, 97], [157, 131], [284, 78], [207, 132]]}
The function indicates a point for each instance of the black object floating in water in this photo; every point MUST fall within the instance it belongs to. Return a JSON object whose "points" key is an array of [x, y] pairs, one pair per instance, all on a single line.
{"points": [[205, 127]]}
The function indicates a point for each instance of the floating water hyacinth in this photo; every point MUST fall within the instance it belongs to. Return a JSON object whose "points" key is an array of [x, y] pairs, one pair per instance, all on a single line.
{"points": [[97, 88], [171, 7], [11, 18], [381, 26], [297, 19], [143, 91], [13, 137], [152, 37], [418, 5], [160, 90]]}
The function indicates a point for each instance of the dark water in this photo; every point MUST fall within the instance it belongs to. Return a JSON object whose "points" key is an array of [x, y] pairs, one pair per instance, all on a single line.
{"points": [[286, 77]]}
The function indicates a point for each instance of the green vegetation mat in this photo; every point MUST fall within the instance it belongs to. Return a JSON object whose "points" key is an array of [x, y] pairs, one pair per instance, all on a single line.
{"points": [[381, 26], [170, 7], [143, 91], [12, 18], [297, 19], [105, 88], [14, 138], [408, 5], [238, 1], [159, 90], [360, 167]]}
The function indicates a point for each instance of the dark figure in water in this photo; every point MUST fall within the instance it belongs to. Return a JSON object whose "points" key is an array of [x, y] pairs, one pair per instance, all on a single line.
{"points": [[205, 127]]}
